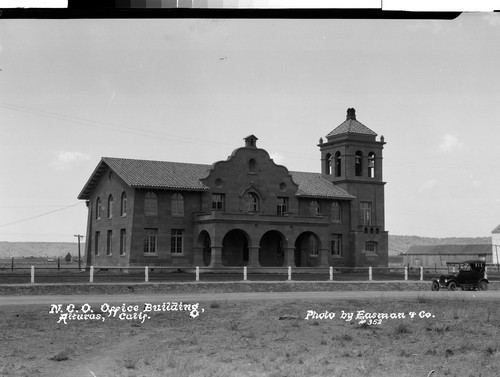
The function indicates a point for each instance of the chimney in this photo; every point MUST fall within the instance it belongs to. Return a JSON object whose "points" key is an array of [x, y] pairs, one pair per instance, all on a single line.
{"points": [[351, 114]]}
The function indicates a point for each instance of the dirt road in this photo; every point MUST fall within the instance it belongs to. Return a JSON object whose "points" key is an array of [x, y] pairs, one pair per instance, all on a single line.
{"points": [[253, 296]]}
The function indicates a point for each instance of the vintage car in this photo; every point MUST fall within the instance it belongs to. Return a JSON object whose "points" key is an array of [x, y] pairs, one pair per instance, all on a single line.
{"points": [[470, 276]]}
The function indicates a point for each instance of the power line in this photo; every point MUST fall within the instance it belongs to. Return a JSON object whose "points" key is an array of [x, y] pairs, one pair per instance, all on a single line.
{"points": [[41, 215]]}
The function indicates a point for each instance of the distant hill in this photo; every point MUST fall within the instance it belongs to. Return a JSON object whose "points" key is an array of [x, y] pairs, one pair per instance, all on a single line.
{"points": [[397, 245], [400, 244], [39, 249]]}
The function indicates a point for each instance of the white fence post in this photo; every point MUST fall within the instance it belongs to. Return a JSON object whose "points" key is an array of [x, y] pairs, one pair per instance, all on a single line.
{"points": [[486, 272], [331, 273], [32, 274], [421, 273], [91, 274], [406, 272], [245, 273], [289, 272], [197, 273], [146, 274], [370, 274]]}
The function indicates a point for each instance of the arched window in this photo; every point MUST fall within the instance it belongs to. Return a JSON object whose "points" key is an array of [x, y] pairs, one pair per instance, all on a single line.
{"points": [[336, 211], [328, 164], [150, 204], [358, 164], [98, 208], [177, 205], [252, 166], [315, 208], [110, 206], [371, 165], [338, 164], [251, 202], [123, 204]]}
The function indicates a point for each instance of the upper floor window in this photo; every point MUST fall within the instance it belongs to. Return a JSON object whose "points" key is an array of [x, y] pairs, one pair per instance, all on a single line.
{"points": [[251, 202], [252, 166], [338, 164], [336, 211], [123, 204], [371, 165], [371, 246], [110, 206], [358, 164], [150, 204], [315, 208], [328, 164], [366, 213], [282, 206], [218, 202], [98, 209], [336, 245], [177, 205]]}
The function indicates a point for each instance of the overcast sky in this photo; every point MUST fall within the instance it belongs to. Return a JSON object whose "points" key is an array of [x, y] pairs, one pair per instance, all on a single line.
{"points": [[73, 91]]}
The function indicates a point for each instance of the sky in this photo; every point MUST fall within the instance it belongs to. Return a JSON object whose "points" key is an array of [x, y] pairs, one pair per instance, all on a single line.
{"points": [[189, 90]]}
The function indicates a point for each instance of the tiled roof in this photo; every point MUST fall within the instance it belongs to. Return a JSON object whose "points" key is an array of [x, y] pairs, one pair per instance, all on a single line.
{"points": [[351, 126], [185, 176], [314, 185], [450, 250], [496, 230]]}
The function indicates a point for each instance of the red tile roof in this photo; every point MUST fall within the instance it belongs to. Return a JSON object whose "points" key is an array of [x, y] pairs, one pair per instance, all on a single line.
{"points": [[186, 176], [351, 126]]}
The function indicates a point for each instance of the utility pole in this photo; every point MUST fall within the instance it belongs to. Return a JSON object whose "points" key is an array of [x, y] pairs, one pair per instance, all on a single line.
{"points": [[79, 258]]}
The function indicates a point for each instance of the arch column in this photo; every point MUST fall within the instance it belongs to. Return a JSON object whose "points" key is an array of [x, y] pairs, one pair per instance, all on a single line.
{"points": [[253, 256], [289, 259], [216, 257]]}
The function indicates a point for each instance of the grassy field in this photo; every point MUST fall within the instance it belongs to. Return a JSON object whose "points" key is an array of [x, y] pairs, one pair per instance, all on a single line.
{"points": [[459, 338]]}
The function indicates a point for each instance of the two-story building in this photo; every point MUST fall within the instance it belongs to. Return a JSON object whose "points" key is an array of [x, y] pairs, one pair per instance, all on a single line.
{"points": [[245, 211]]}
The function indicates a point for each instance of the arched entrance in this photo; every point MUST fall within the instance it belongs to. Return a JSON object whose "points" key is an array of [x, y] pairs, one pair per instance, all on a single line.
{"points": [[235, 248], [271, 249], [307, 248], [204, 244]]}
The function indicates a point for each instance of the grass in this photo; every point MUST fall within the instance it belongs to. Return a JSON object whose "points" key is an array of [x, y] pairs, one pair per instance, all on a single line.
{"points": [[248, 339]]}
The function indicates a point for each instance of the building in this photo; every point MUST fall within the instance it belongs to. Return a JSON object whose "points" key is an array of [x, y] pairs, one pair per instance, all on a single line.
{"points": [[437, 255], [246, 210]]}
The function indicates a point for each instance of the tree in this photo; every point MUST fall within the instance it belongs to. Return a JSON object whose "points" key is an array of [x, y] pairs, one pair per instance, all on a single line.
{"points": [[67, 258]]}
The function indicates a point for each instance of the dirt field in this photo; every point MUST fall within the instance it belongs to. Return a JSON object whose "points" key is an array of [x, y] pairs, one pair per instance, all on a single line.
{"points": [[454, 337]]}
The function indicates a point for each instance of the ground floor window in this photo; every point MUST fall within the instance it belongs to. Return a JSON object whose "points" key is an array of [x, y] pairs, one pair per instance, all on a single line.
{"points": [[109, 243], [97, 236], [150, 239], [336, 245], [123, 241], [176, 241]]}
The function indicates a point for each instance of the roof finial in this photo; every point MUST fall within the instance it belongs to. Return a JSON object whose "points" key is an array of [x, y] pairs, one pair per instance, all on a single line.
{"points": [[351, 114]]}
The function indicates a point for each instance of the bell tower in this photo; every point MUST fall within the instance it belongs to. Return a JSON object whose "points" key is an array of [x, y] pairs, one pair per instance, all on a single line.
{"points": [[351, 158]]}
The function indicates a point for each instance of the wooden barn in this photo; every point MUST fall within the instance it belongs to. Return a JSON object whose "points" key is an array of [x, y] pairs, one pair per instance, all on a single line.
{"points": [[438, 255]]}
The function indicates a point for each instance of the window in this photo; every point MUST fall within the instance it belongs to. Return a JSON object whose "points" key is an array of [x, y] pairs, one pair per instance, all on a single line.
{"points": [[358, 164], [218, 202], [315, 208], [176, 241], [336, 245], [371, 246], [150, 204], [150, 237], [338, 164], [313, 246], [251, 202], [110, 206], [109, 243], [282, 206], [97, 237], [123, 241], [177, 205], [123, 205], [98, 208], [336, 211], [371, 165], [366, 213], [328, 164], [252, 166]]}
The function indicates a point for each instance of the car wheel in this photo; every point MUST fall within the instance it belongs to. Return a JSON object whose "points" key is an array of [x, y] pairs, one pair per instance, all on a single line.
{"points": [[483, 286], [435, 286], [452, 286]]}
